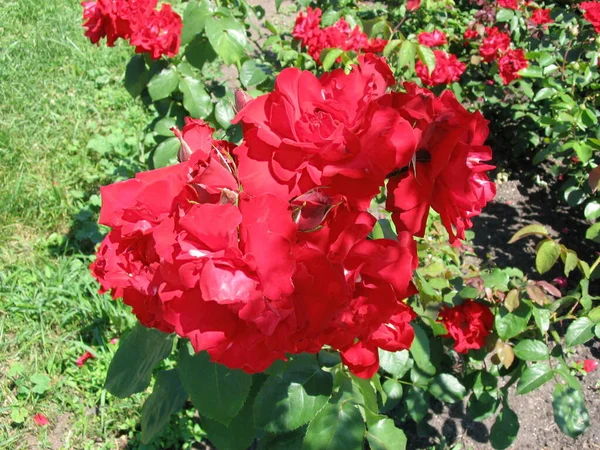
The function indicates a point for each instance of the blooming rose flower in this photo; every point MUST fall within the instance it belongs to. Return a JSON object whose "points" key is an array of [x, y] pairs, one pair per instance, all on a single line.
{"points": [[324, 132], [589, 365], [592, 13], [448, 170], [41, 420], [541, 17], [160, 33], [470, 34], [494, 44], [114, 19], [447, 69], [510, 64], [433, 39], [469, 324], [510, 4]]}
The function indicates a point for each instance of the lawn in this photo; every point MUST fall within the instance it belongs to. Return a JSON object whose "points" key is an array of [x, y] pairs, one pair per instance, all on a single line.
{"points": [[66, 127]]}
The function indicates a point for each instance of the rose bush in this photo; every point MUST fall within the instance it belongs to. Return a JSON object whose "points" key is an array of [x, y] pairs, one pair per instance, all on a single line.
{"points": [[309, 238]]}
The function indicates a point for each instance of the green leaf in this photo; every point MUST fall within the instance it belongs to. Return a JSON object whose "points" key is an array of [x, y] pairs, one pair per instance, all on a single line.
{"points": [[41, 383], [216, 391], [163, 84], [529, 230], [338, 426], [570, 413], [329, 56], [287, 441], [483, 407], [224, 112], [390, 47], [505, 429], [547, 254], [168, 397], [533, 377], [195, 99], [420, 350], [292, 398], [136, 75], [393, 394], [228, 38], [593, 233], [511, 324], [194, 19], [544, 93], [532, 72], [542, 318], [384, 435], [239, 433], [166, 153], [447, 388], [164, 125], [427, 56], [579, 332], [592, 210], [504, 15], [530, 350], [395, 363], [417, 404], [199, 52], [571, 261], [139, 352], [278, 4], [407, 53], [253, 73]]}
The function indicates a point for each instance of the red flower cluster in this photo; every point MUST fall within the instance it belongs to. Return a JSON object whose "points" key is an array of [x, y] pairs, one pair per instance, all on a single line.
{"points": [[588, 365], [339, 35], [495, 47], [447, 69], [152, 31], [262, 250], [541, 17], [433, 39], [592, 13], [469, 324]]}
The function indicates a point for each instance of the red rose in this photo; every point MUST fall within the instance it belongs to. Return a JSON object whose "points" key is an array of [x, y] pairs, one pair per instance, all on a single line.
{"points": [[413, 5], [494, 44], [324, 132], [433, 39], [448, 172], [510, 64], [470, 34], [447, 69], [588, 365], [469, 324], [592, 13], [510, 4], [160, 33], [541, 17]]}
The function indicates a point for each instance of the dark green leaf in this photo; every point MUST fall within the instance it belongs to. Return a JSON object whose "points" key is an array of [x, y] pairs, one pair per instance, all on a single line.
{"points": [[227, 37], [216, 391], [139, 352], [505, 429], [384, 435], [579, 332], [291, 399], [544, 93], [195, 98], [483, 407], [163, 84], [164, 125], [287, 441], [136, 75], [533, 377], [447, 388], [168, 397], [199, 52], [338, 426], [420, 350], [530, 350], [417, 404], [393, 394], [166, 153], [570, 413]]}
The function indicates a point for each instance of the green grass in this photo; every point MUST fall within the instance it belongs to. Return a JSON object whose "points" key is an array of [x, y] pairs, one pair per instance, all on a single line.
{"points": [[59, 93]]}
